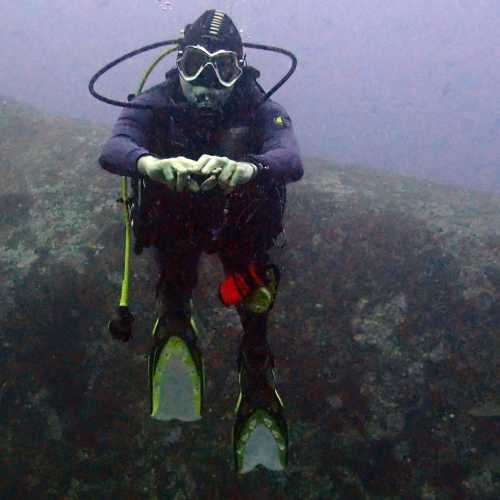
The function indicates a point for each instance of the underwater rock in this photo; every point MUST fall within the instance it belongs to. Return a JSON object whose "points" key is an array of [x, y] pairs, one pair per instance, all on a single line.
{"points": [[385, 333]]}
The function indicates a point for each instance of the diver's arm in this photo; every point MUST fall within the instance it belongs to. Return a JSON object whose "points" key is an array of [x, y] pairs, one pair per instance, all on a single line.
{"points": [[130, 139], [279, 155]]}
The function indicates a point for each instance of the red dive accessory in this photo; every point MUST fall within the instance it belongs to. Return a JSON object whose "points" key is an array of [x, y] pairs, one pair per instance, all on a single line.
{"points": [[256, 285], [238, 286]]}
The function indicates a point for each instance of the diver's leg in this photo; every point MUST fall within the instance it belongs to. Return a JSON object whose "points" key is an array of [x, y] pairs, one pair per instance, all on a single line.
{"points": [[175, 363], [260, 434], [177, 278]]}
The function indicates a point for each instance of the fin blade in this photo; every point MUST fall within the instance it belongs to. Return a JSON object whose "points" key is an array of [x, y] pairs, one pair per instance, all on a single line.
{"points": [[175, 385], [261, 443]]}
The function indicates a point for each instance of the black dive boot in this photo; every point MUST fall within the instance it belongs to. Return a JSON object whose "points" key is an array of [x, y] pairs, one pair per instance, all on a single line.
{"points": [[260, 434], [175, 365]]}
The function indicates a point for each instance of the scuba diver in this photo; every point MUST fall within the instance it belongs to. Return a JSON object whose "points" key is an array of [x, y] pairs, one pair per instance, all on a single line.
{"points": [[212, 159]]}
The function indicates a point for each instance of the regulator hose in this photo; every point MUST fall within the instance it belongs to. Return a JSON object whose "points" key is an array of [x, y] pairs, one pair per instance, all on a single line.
{"points": [[136, 52]]}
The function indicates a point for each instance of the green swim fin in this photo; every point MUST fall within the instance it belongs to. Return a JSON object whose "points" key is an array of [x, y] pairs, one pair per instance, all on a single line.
{"points": [[176, 375], [260, 433]]}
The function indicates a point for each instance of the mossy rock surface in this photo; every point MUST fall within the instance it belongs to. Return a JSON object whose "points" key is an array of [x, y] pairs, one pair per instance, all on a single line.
{"points": [[385, 334]]}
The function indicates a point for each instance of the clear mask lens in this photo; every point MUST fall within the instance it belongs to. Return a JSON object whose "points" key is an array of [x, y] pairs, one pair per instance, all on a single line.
{"points": [[226, 65]]}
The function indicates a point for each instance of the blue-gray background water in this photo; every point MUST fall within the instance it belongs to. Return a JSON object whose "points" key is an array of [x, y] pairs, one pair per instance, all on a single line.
{"points": [[386, 325], [411, 87]]}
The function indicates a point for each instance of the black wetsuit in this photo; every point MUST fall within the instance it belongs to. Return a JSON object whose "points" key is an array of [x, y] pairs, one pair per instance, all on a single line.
{"points": [[239, 227]]}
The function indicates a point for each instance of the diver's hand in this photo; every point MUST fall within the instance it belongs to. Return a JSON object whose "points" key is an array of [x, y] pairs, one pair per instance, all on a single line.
{"points": [[225, 172], [174, 172]]}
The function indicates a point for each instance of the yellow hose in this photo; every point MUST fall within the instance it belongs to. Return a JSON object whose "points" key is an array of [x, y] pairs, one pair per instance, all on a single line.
{"points": [[124, 297]]}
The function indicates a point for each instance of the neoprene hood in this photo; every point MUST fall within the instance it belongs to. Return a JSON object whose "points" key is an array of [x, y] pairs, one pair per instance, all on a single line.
{"points": [[213, 30]]}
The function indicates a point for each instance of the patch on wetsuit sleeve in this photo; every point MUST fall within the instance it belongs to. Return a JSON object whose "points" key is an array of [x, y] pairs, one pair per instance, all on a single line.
{"points": [[281, 121]]}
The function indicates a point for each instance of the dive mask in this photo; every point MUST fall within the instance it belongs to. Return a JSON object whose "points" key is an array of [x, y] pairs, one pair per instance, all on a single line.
{"points": [[193, 59]]}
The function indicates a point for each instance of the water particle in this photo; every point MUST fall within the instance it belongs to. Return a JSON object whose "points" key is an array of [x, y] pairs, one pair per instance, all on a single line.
{"points": [[165, 5]]}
